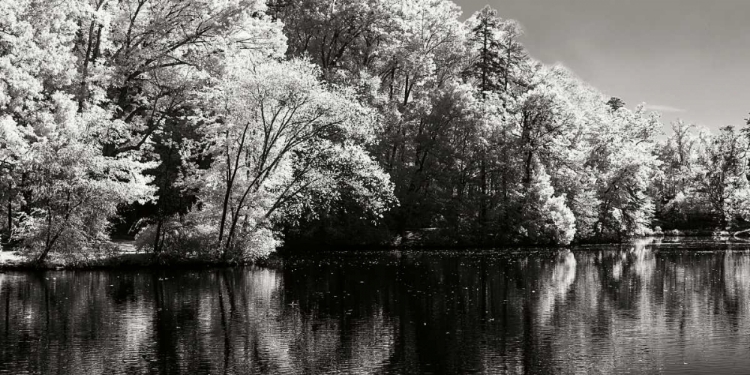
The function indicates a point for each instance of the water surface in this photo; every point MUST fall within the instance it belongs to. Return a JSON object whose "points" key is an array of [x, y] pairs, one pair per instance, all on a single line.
{"points": [[641, 308]]}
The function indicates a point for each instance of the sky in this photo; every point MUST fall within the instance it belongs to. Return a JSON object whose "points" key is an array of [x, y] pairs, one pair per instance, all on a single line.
{"points": [[687, 59]]}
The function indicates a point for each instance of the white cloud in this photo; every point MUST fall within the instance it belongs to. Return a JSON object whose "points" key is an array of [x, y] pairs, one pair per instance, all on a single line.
{"points": [[662, 108]]}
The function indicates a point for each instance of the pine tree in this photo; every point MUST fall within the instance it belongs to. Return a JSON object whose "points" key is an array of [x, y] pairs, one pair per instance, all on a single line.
{"points": [[490, 66]]}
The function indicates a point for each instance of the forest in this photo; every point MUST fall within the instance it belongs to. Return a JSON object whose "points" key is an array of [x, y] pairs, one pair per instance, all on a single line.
{"points": [[225, 129]]}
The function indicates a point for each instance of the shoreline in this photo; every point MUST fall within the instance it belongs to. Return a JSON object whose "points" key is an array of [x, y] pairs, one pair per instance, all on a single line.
{"points": [[129, 260], [12, 262]]}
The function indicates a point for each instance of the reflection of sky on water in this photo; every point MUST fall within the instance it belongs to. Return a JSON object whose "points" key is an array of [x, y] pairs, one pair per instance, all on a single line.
{"points": [[634, 308]]}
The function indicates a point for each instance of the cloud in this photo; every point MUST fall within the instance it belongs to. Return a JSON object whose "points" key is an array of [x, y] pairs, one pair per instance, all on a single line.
{"points": [[662, 108]]}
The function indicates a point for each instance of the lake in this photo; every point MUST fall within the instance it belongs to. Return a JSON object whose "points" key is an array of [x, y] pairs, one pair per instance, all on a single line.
{"points": [[647, 307]]}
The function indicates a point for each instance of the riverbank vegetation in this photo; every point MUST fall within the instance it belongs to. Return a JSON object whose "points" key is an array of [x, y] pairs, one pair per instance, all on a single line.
{"points": [[223, 129]]}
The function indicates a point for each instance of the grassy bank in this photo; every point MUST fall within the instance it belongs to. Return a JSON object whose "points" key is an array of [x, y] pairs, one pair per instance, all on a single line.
{"points": [[12, 261], [126, 256]]}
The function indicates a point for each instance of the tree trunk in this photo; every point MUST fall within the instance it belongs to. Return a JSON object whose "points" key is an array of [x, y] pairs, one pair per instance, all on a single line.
{"points": [[157, 248], [43, 256], [483, 198], [224, 208], [10, 221], [49, 241], [528, 169]]}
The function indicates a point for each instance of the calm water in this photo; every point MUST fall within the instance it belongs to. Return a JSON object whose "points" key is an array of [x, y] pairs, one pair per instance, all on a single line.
{"points": [[655, 308]]}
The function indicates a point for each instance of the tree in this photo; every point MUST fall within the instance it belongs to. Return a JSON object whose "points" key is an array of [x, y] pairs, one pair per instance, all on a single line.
{"points": [[679, 201], [486, 37], [277, 134], [496, 69], [62, 188], [14, 152], [724, 174], [465, 164], [148, 61], [75, 190], [250, 121], [34, 55], [626, 170], [615, 103], [345, 34], [546, 219]]}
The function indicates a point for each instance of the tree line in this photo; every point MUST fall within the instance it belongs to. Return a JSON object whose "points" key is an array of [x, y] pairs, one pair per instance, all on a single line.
{"points": [[224, 129]]}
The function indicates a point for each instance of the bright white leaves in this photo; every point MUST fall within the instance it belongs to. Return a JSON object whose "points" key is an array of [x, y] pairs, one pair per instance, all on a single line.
{"points": [[282, 141], [145, 61], [626, 167], [426, 31], [34, 50], [85, 84], [56, 182], [71, 189], [723, 174], [703, 175], [546, 218], [35, 56], [602, 160]]}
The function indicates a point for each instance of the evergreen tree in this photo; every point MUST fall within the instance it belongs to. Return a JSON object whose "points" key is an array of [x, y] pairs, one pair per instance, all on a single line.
{"points": [[489, 68]]}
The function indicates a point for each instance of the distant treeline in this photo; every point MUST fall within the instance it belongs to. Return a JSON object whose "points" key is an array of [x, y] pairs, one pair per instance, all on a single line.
{"points": [[224, 129]]}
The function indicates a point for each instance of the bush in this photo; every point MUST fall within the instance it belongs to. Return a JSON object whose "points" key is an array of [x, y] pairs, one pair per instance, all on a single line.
{"points": [[546, 219], [189, 240], [79, 240], [720, 233], [179, 241]]}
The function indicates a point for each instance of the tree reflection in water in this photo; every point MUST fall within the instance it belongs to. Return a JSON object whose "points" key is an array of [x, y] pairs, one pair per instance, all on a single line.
{"points": [[634, 308]]}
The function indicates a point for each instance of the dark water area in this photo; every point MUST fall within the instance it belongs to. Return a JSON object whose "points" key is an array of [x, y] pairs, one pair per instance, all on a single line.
{"points": [[674, 308]]}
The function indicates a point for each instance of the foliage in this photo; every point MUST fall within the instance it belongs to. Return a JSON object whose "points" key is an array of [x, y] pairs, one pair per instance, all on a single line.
{"points": [[281, 143], [223, 129], [546, 219], [62, 188]]}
